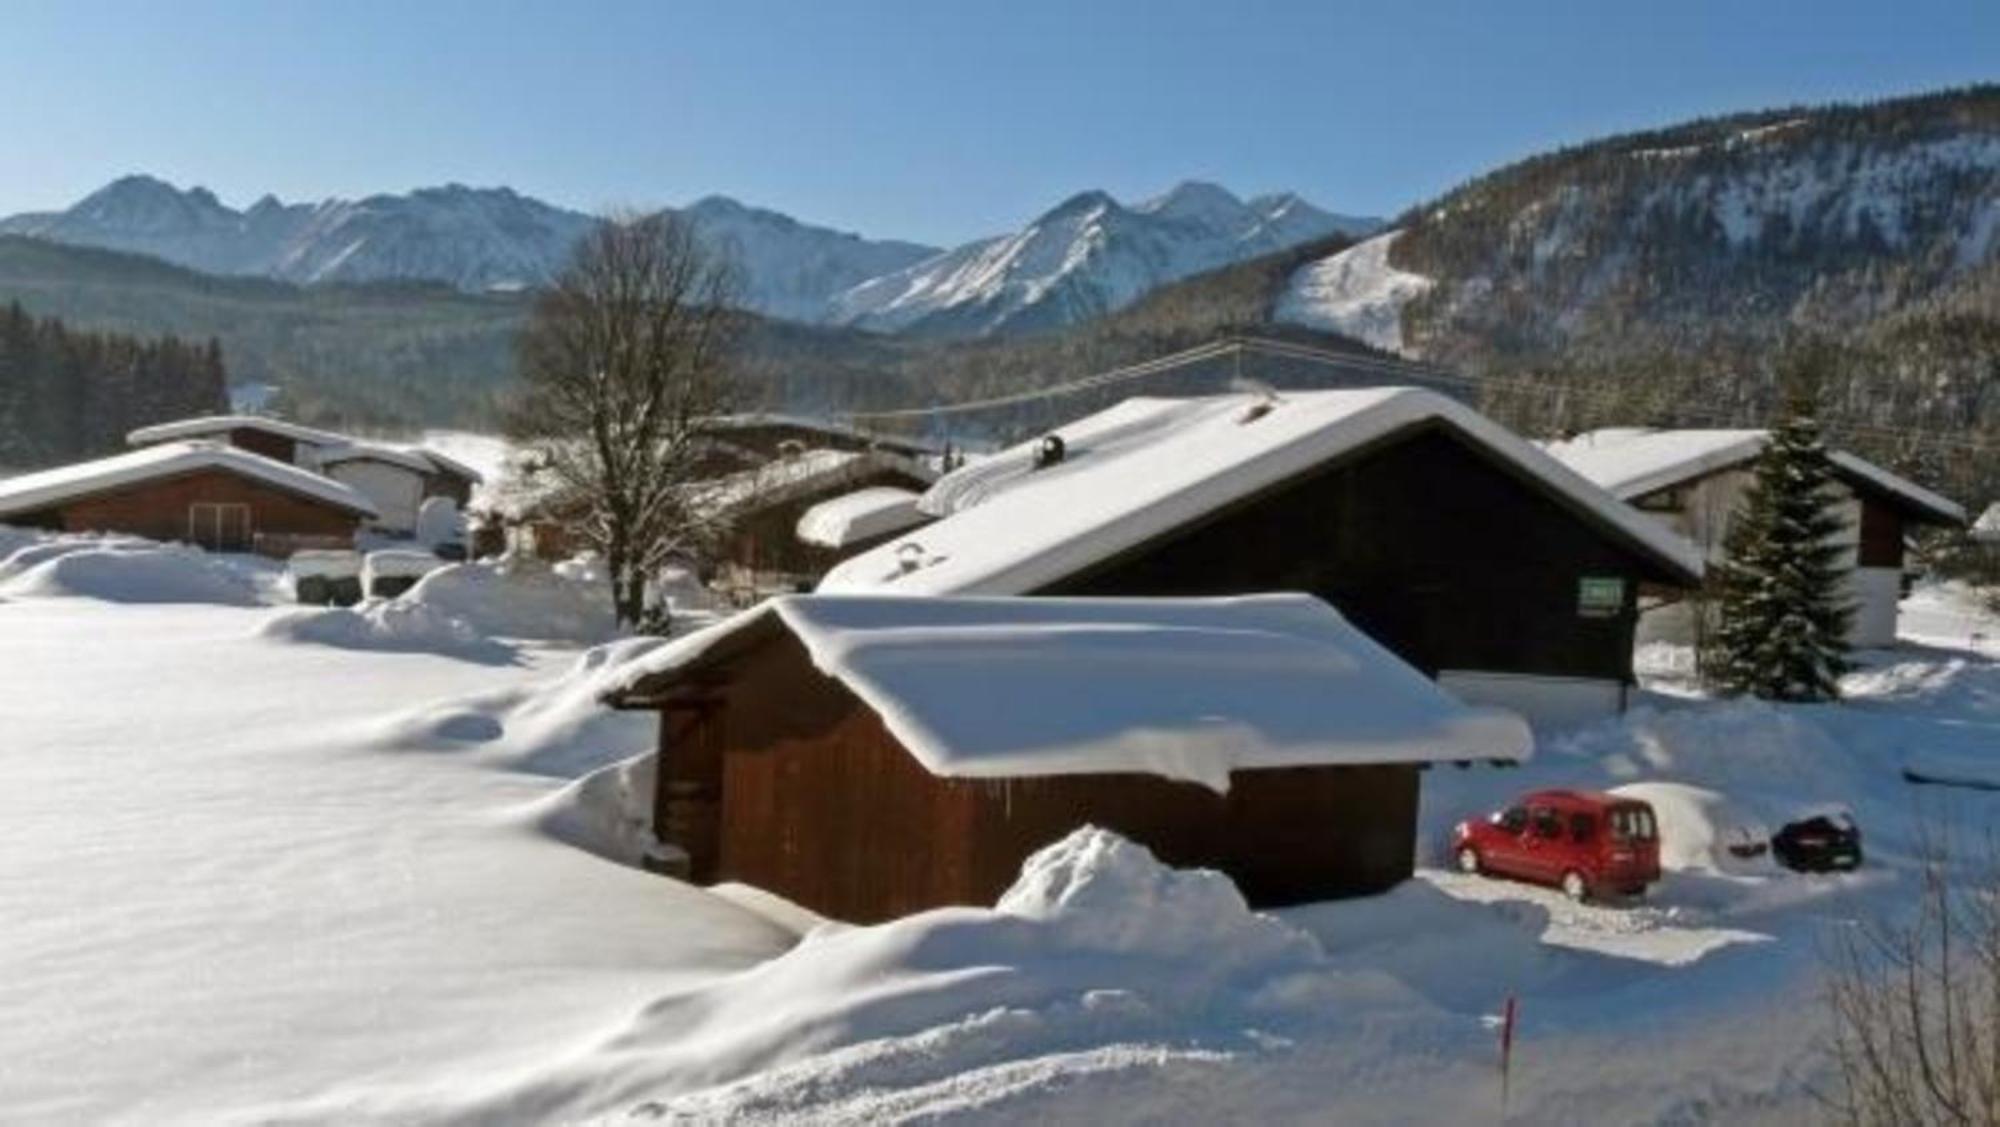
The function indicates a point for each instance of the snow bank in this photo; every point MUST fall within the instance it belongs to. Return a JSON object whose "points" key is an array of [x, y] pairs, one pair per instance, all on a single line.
{"points": [[388, 625], [126, 571], [1100, 967], [1355, 293], [609, 812], [523, 599], [558, 726]]}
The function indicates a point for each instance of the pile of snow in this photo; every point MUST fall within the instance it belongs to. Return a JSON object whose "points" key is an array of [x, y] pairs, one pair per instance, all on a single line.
{"points": [[1101, 974], [389, 625], [555, 726], [1703, 831], [1355, 293], [609, 812], [397, 563], [521, 598], [127, 570], [324, 563]]}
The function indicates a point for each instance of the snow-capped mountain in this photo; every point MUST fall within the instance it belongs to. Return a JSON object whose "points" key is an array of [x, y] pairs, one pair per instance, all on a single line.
{"points": [[1743, 227], [1087, 256], [472, 238], [793, 268]]}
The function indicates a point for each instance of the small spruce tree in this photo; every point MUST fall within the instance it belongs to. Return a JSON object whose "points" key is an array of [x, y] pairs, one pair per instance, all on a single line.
{"points": [[1782, 615]]}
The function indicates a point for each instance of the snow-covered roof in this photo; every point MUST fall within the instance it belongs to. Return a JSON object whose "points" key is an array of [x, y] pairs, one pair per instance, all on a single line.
{"points": [[447, 464], [861, 515], [788, 478], [1147, 466], [1987, 527], [1188, 689], [1635, 461], [30, 492], [204, 426], [416, 461]]}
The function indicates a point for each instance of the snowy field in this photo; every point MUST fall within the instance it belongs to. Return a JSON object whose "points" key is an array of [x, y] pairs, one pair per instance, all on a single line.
{"points": [[271, 864]]}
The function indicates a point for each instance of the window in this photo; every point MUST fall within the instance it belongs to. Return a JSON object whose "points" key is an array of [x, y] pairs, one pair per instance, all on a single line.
{"points": [[1582, 828], [1546, 823], [1514, 819], [1632, 823], [220, 526]]}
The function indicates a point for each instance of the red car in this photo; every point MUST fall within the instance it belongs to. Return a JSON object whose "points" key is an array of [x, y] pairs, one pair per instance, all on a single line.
{"points": [[1585, 843]]}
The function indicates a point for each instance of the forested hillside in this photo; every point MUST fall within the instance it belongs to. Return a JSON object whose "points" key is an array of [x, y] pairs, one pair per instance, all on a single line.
{"points": [[64, 394]]}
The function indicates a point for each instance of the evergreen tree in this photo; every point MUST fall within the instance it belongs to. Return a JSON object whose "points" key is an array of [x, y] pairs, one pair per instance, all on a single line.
{"points": [[1783, 615]]}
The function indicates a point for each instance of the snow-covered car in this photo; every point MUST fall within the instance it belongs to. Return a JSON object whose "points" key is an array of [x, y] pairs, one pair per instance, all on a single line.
{"points": [[1585, 843], [1826, 841], [1703, 830]]}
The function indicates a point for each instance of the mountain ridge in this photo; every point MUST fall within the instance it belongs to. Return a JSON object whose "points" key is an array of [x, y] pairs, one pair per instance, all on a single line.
{"points": [[498, 239]]}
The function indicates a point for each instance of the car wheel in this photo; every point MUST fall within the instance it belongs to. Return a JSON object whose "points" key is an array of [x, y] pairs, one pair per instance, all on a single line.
{"points": [[1468, 860], [1575, 887]]}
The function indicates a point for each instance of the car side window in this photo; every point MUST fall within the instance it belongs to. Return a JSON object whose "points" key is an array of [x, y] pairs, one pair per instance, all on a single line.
{"points": [[1582, 828], [1545, 823], [1513, 820]]}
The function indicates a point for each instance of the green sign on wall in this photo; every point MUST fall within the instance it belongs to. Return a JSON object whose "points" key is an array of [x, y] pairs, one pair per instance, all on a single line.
{"points": [[1598, 597]]}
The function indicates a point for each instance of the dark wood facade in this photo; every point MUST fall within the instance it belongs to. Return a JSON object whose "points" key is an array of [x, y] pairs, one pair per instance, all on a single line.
{"points": [[765, 540], [1444, 553], [775, 775], [210, 507]]}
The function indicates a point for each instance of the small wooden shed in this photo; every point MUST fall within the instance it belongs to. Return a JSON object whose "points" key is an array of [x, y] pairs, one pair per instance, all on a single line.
{"points": [[213, 495], [873, 756]]}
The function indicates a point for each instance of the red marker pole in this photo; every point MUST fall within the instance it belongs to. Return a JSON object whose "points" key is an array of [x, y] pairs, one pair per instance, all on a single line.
{"points": [[1506, 1052]]}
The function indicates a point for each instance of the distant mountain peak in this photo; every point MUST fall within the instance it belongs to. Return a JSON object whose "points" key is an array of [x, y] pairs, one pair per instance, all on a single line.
{"points": [[1086, 256]]}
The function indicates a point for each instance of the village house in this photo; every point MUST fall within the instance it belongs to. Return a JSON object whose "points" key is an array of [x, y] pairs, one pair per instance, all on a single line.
{"points": [[760, 509], [396, 478], [217, 496], [1693, 482], [1464, 549], [867, 757]]}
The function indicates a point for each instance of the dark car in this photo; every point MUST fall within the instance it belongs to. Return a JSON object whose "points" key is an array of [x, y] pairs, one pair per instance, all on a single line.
{"points": [[1822, 843]]}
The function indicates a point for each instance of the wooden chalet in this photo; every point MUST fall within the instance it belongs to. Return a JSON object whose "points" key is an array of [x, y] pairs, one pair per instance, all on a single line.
{"points": [[216, 496], [868, 757], [1693, 482], [1472, 554], [396, 479], [762, 507]]}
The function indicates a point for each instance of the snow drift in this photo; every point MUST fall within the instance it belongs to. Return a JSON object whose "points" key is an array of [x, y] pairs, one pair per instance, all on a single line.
{"points": [[1100, 968], [126, 570], [389, 625]]}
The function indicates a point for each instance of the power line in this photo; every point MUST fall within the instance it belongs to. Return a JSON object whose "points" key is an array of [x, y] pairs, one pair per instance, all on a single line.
{"points": [[1387, 366]]}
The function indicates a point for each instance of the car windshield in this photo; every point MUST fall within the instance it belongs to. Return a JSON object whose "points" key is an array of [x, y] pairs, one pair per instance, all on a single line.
{"points": [[1632, 823]]}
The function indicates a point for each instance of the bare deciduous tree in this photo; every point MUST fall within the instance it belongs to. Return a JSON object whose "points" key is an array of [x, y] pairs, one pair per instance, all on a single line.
{"points": [[1916, 1004], [628, 350]]}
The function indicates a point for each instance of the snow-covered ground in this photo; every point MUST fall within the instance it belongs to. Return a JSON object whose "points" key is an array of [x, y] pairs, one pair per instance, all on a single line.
{"points": [[256, 872], [1355, 292]]}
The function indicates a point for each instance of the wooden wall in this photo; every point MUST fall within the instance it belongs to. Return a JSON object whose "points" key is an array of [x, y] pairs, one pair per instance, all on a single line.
{"points": [[767, 540], [1427, 544], [811, 797], [159, 508], [264, 442]]}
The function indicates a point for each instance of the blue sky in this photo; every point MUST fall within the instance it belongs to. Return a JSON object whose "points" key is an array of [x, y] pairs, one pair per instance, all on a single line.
{"points": [[939, 120]]}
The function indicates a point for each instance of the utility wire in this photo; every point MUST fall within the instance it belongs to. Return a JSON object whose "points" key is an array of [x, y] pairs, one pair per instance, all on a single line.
{"points": [[1394, 367]]}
